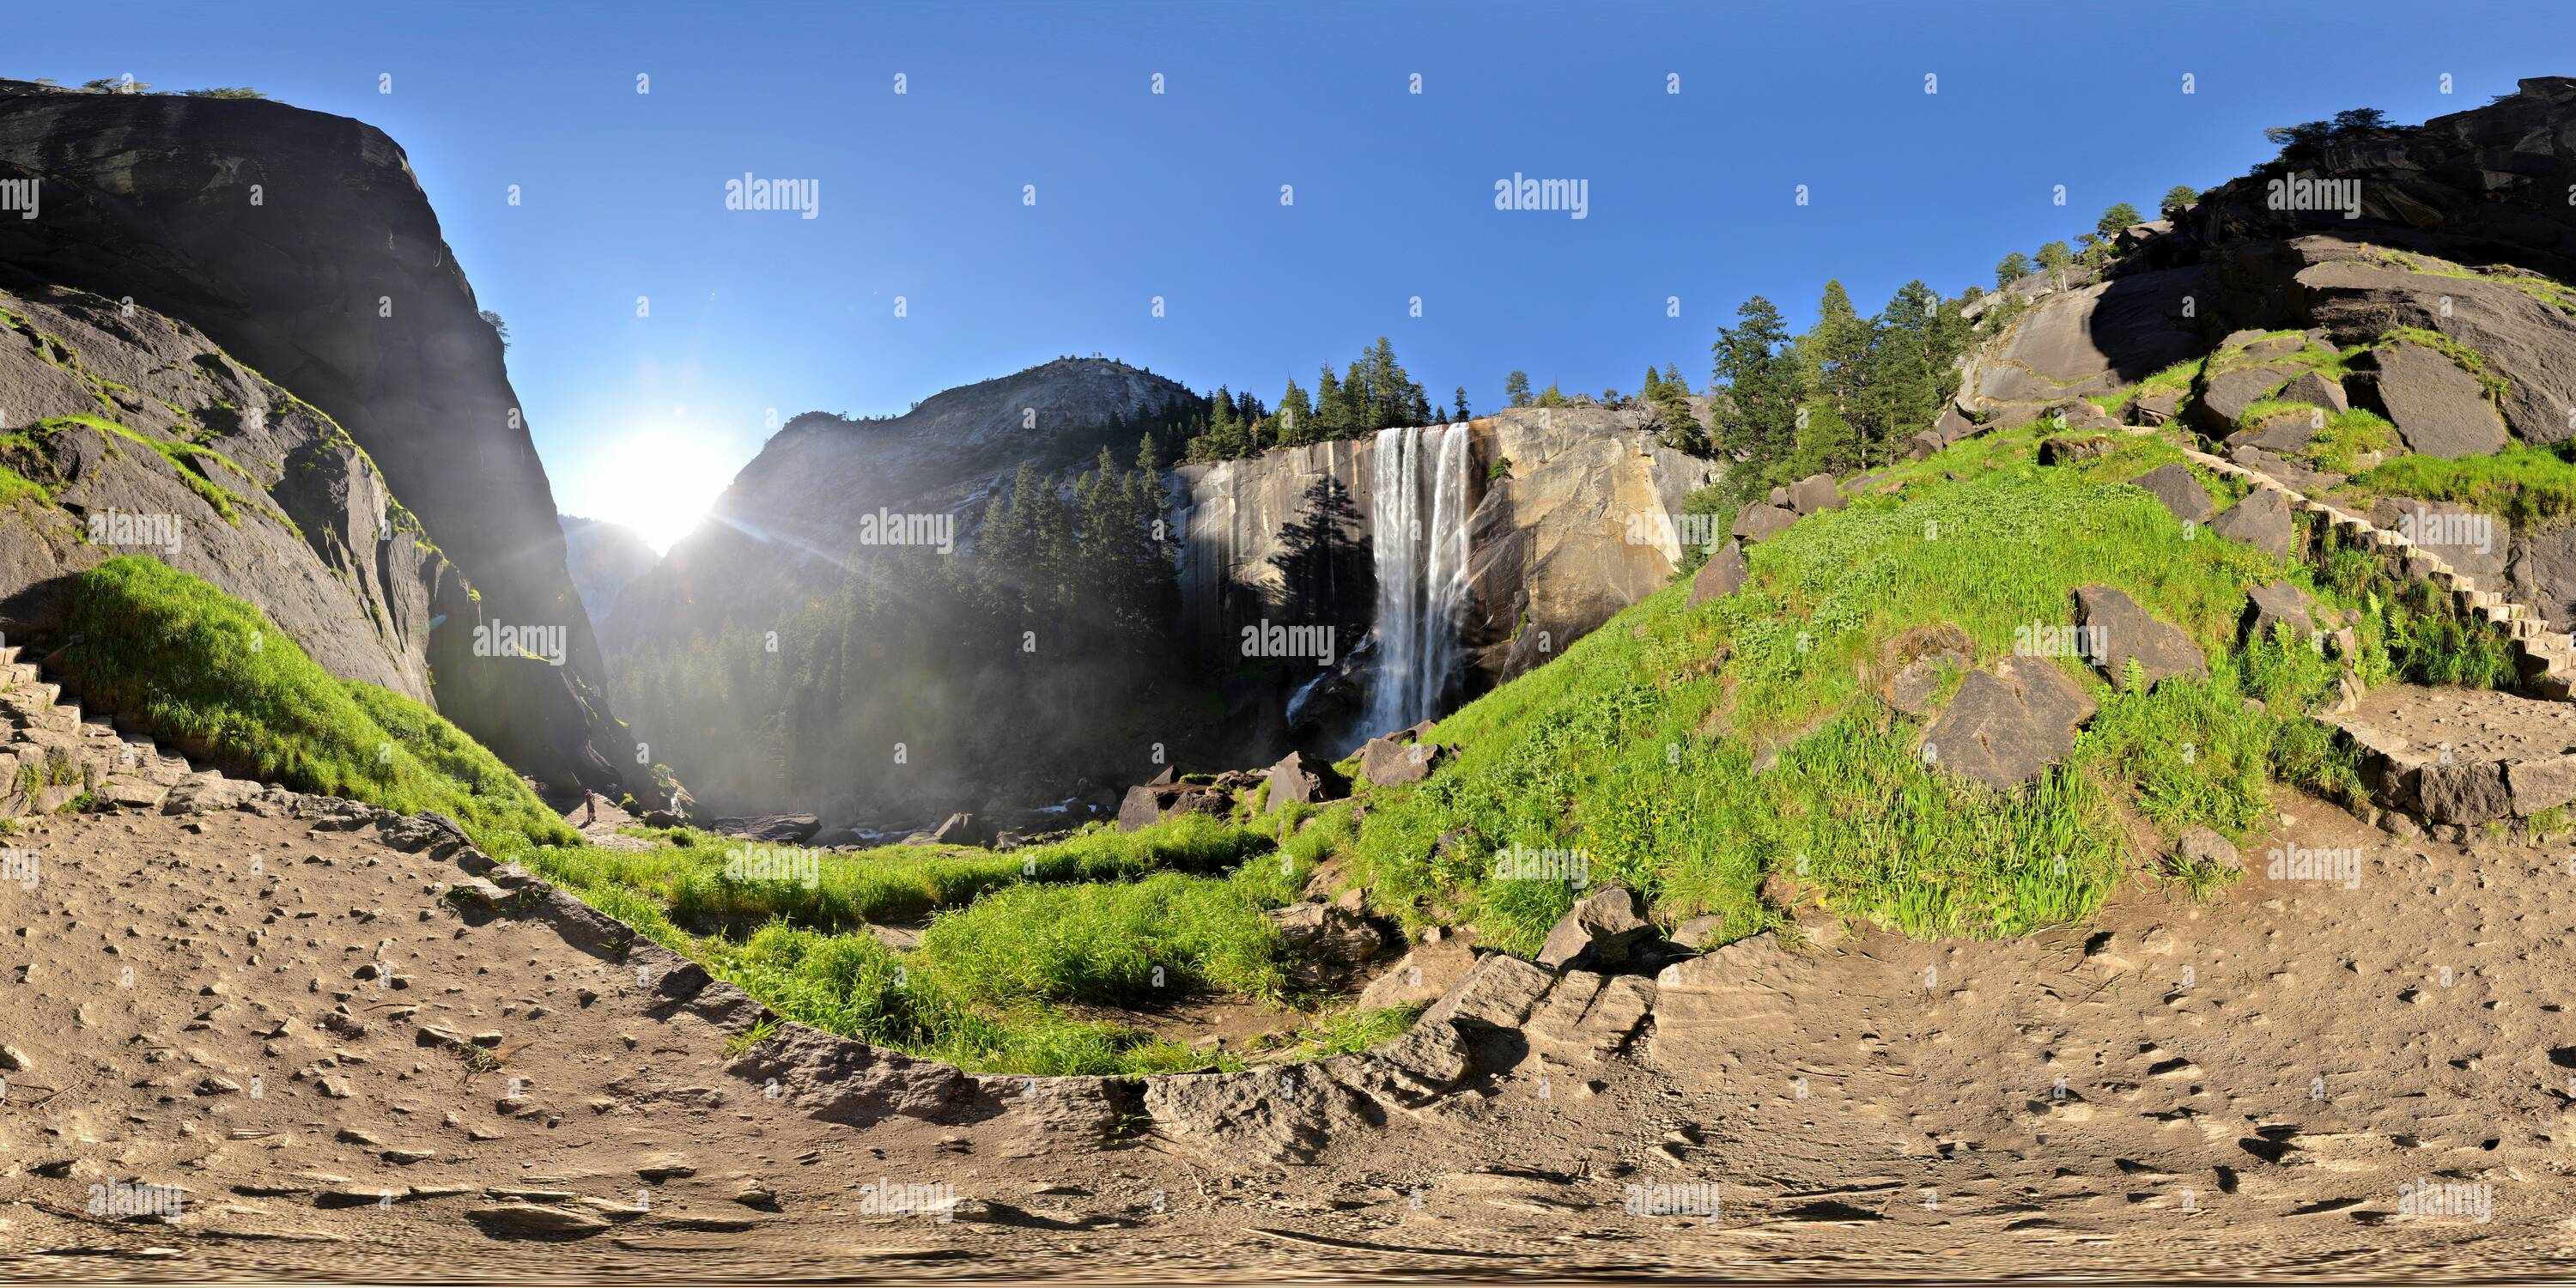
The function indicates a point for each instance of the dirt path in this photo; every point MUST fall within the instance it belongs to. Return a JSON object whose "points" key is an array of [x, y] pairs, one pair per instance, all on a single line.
{"points": [[2250, 1084]]}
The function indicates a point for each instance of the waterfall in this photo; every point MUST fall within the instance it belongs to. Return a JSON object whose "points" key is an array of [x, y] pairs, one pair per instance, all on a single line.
{"points": [[1421, 562]]}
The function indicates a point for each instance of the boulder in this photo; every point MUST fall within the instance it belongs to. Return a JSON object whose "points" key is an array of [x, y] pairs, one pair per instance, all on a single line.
{"points": [[2439, 409], [1780, 498], [2092, 339], [1602, 929], [2463, 792], [2281, 431], [1325, 942], [2201, 845], [1257, 1116], [2224, 397], [838, 1080], [2154, 408], [2122, 632], [2179, 489], [2069, 450], [1150, 803], [2536, 785], [2275, 604], [1720, 577], [1302, 779], [1384, 762], [1757, 521], [962, 829], [1815, 493], [2261, 520], [1496, 993], [1588, 1015], [2006, 726], [2317, 389], [1950, 427], [1915, 660]]}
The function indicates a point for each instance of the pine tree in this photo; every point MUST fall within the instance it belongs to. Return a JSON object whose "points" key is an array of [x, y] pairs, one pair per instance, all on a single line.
{"points": [[1460, 410], [1296, 416], [2014, 267], [2177, 199], [1516, 390], [1839, 341], [1760, 380]]}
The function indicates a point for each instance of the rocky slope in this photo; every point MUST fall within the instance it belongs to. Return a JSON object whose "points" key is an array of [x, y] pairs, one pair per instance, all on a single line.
{"points": [[302, 244], [777, 535], [2441, 305], [182, 453], [603, 558]]}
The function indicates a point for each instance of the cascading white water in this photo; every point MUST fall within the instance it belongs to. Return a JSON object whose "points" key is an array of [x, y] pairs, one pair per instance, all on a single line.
{"points": [[1421, 562]]}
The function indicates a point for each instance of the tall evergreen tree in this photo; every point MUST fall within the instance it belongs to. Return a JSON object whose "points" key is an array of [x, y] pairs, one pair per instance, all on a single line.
{"points": [[1760, 381], [1516, 389]]}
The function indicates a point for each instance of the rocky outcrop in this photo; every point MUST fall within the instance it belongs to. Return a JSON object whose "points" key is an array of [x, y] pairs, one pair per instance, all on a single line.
{"points": [[1570, 520], [2006, 726], [302, 244], [2261, 520], [2122, 632], [2179, 489], [2438, 408]]}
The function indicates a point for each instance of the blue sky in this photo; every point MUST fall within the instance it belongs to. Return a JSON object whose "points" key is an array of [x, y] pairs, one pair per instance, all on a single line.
{"points": [[758, 315]]}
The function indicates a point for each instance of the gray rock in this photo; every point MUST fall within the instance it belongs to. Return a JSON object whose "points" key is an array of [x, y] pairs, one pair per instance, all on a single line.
{"points": [[1815, 493], [1324, 941], [2154, 408], [1301, 779], [1698, 932], [2069, 451], [2201, 845], [2123, 632], [2541, 783], [838, 1080], [533, 1221], [2317, 389], [1282, 1114], [1757, 522], [961, 829], [2464, 792], [1150, 803], [2468, 539], [1721, 576], [2006, 726], [2438, 409], [1385, 762], [2278, 603], [1496, 993], [771, 829], [1602, 929], [2179, 489], [1421, 976], [2225, 396], [2261, 520]]}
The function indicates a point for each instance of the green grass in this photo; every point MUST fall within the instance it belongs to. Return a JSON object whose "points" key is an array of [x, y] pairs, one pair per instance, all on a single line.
{"points": [[1637, 745], [14, 485], [891, 884], [2522, 483], [202, 669], [184, 460], [2349, 436]]}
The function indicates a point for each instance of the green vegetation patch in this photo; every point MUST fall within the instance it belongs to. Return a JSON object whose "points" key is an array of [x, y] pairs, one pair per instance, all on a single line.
{"points": [[208, 672], [2522, 483]]}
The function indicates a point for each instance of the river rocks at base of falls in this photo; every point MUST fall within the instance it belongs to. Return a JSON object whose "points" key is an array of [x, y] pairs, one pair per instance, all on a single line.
{"points": [[1721, 576], [2122, 632], [770, 829], [2006, 726], [1601, 930], [2438, 408], [1385, 762], [2261, 520], [2179, 489]]}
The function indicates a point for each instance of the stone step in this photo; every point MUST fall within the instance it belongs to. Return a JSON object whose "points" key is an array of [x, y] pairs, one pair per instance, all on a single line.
{"points": [[9, 652]]}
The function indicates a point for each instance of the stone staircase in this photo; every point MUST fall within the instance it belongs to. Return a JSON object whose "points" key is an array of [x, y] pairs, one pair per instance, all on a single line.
{"points": [[2545, 659], [53, 757]]}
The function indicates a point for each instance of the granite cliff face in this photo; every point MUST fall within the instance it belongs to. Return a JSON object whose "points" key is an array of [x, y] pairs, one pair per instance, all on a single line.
{"points": [[301, 244], [777, 535], [1567, 523]]}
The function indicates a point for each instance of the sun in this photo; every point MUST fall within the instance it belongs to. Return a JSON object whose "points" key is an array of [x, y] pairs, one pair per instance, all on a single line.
{"points": [[657, 483]]}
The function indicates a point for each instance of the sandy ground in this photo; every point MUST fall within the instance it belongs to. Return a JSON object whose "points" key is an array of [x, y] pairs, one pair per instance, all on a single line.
{"points": [[2259, 1084]]}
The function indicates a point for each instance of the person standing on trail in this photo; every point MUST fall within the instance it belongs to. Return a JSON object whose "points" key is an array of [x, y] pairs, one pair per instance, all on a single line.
{"points": [[589, 807]]}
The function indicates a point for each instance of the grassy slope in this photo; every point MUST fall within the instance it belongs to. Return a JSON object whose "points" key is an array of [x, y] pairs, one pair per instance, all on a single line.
{"points": [[1637, 745], [198, 667]]}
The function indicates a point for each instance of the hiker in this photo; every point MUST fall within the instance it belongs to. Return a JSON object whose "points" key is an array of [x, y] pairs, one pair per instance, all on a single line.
{"points": [[589, 807]]}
